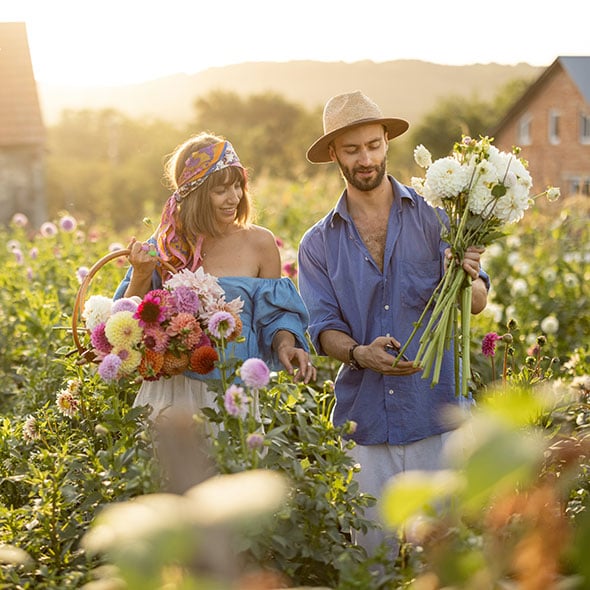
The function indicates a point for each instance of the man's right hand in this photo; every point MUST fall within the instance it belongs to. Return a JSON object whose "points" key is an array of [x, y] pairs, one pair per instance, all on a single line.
{"points": [[375, 356]]}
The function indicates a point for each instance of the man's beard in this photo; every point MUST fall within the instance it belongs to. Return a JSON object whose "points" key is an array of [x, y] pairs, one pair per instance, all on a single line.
{"points": [[361, 184]]}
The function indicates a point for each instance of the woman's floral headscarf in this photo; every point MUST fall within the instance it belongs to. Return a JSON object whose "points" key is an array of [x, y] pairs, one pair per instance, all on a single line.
{"points": [[197, 168]]}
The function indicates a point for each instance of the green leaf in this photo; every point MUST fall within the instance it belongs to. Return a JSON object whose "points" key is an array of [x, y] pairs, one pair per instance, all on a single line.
{"points": [[416, 492], [499, 190]]}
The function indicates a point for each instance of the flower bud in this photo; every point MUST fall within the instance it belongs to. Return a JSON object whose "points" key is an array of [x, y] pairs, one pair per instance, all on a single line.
{"points": [[350, 427], [553, 193], [101, 430], [255, 440]]}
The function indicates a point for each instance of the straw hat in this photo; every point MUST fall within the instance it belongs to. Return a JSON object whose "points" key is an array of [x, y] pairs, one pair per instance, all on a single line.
{"points": [[345, 111]]}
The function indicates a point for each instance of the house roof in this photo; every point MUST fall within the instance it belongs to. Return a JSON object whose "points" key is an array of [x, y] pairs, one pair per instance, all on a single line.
{"points": [[20, 114], [577, 68]]}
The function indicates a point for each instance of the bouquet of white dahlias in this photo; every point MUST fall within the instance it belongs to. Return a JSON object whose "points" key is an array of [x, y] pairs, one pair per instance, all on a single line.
{"points": [[481, 190]]}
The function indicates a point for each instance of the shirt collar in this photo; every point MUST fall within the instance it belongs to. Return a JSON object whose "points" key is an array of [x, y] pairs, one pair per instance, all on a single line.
{"points": [[399, 190]]}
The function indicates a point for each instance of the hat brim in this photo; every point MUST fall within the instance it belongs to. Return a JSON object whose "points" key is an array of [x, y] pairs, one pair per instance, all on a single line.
{"points": [[319, 152]]}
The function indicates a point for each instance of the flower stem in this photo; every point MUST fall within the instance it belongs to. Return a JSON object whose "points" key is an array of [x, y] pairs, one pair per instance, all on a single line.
{"points": [[448, 298], [418, 324], [465, 337]]}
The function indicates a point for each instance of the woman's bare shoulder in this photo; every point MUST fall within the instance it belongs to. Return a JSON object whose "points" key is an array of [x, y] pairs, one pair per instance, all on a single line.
{"points": [[261, 236]]}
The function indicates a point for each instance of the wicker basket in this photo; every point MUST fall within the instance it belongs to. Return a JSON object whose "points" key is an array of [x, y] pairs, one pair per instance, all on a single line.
{"points": [[86, 354]]}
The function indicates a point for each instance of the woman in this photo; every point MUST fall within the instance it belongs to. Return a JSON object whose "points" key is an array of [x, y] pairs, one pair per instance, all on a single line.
{"points": [[206, 223]]}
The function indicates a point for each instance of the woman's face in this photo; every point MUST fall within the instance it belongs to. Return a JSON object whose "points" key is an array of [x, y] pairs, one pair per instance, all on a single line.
{"points": [[225, 199]]}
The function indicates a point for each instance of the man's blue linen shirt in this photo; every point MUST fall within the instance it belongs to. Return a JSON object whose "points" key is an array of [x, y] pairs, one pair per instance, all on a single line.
{"points": [[344, 290]]}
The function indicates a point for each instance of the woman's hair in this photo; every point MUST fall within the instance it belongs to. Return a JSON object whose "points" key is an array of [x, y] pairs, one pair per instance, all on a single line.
{"points": [[194, 214]]}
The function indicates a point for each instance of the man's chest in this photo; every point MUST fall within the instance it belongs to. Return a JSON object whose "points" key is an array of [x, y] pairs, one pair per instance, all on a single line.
{"points": [[373, 233]]}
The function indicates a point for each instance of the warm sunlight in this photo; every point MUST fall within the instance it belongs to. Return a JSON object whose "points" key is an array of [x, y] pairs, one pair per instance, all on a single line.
{"points": [[114, 42]]}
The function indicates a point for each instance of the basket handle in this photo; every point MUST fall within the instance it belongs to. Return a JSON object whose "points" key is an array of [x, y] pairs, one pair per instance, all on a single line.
{"points": [[81, 295]]}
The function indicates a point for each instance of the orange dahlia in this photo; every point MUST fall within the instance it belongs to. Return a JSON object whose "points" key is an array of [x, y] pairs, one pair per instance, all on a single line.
{"points": [[203, 359], [151, 364], [174, 364], [237, 331]]}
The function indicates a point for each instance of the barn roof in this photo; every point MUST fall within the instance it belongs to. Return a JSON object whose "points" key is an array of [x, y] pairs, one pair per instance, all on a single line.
{"points": [[21, 122]]}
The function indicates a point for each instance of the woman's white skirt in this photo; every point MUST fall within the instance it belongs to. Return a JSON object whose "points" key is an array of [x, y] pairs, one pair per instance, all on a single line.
{"points": [[174, 395]]}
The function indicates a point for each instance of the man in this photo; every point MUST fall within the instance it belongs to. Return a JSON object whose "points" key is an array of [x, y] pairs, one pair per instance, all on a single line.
{"points": [[366, 272]]}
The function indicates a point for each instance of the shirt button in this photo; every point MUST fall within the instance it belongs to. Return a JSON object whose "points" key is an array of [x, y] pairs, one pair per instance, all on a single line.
{"points": [[386, 307], [391, 392]]}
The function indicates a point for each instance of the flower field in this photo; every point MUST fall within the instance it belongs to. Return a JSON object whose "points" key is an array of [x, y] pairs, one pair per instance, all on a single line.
{"points": [[93, 496]]}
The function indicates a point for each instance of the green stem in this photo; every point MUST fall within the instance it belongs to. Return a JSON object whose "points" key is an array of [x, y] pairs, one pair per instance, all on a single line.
{"points": [[456, 348], [448, 300], [465, 337], [505, 365], [440, 348], [456, 246], [417, 324]]}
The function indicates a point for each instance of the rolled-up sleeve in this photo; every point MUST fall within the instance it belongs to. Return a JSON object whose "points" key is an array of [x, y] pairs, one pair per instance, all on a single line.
{"points": [[278, 306], [316, 289]]}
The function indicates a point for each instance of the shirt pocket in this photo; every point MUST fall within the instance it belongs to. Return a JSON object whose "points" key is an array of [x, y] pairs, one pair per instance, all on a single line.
{"points": [[419, 279]]}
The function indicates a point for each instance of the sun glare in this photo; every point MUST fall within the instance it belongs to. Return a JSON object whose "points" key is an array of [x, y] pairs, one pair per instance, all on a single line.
{"points": [[118, 42]]}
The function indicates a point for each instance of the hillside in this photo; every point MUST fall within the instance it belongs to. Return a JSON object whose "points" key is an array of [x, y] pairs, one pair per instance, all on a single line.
{"points": [[405, 88]]}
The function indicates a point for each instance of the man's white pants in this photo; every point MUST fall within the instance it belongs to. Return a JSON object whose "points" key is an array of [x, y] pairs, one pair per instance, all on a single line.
{"points": [[379, 463]]}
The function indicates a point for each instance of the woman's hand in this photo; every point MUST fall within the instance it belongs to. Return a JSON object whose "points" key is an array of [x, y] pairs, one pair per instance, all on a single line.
{"points": [[291, 356], [143, 258]]}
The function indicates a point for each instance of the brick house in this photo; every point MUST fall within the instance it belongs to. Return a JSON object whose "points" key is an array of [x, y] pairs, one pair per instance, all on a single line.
{"points": [[551, 123], [22, 133]]}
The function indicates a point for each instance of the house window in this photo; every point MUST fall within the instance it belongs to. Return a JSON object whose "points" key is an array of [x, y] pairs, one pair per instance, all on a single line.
{"points": [[524, 130], [574, 186], [585, 129], [553, 127]]}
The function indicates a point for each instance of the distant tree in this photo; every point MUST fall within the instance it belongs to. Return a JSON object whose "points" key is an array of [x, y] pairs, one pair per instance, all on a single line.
{"points": [[103, 166], [453, 117], [508, 95], [456, 116], [270, 133]]}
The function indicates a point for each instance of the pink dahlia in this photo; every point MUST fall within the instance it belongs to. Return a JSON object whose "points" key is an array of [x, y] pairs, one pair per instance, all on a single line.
{"points": [[290, 269], [222, 324], [255, 373], [186, 300], [236, 401], [99, 340], [48, 229], [109, 367], [155, 338], [152, 309], [68, 223], [20, 219]]}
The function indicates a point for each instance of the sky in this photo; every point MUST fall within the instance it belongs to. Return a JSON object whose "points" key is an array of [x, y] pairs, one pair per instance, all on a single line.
{"points": [[119, 42]]}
